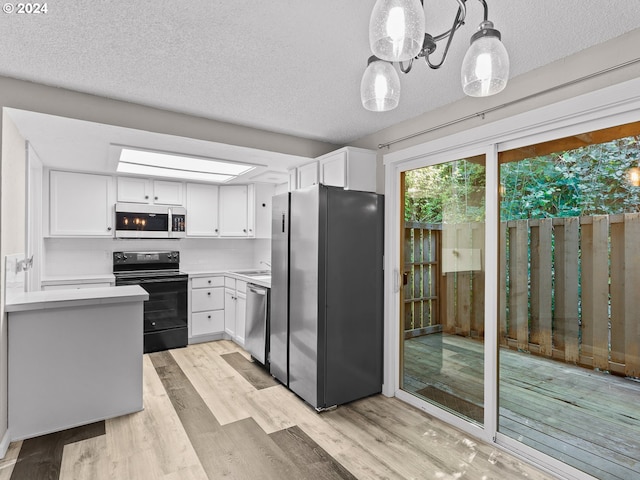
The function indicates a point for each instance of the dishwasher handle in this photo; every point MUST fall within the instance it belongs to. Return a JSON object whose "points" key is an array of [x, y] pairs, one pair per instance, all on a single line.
{"points": [[257, 290]]}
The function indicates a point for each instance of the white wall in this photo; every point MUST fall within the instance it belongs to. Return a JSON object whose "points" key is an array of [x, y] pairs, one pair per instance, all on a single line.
{"points": [[12, 237], [93, 256]]}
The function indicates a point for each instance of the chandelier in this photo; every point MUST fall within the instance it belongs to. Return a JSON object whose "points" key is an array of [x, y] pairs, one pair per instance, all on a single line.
{"points": [[397, 35]]}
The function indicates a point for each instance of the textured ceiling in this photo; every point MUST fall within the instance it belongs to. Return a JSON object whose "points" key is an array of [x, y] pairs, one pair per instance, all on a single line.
{"points": [[282, 65]]}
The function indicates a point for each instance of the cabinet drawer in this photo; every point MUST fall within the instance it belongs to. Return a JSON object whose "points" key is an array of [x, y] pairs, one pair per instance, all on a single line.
{"points": [[241, 286], [204, 299], [203, 323], [204, 282], [230, 282]]}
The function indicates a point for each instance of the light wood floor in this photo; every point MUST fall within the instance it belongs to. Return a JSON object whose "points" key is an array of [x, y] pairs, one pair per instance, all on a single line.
{"points": [[209, 415], [587, 419]]}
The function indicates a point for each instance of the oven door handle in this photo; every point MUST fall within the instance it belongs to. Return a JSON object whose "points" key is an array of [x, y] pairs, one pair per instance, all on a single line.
{"points": [[150, 280]]}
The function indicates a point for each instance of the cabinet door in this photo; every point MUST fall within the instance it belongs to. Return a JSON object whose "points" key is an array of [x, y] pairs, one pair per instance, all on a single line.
{"points": [[205, 323], [264, 193], [293, 180], [81, 204], [233, 211], [202, 210], [203, 299], [241, 317], [167, 193], [333, 170], [230, 312], [134, 190], [308, 175]]}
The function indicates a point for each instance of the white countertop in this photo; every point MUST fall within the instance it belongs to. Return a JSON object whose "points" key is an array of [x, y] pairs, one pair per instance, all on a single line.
{"points": [[73, 297], [79, 279], [263, 280]]}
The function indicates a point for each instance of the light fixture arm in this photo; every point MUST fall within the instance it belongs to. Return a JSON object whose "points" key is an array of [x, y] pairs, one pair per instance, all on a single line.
{"points": [[457, 23], [430, 41], [397, 35]]}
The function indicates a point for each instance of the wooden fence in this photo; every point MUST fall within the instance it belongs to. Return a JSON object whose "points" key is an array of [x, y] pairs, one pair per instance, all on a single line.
{"points": [[436, 299], [569, 287]]}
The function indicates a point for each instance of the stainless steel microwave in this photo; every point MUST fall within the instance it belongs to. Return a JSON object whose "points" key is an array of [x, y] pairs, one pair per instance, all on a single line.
{"points": [[150, 221]]}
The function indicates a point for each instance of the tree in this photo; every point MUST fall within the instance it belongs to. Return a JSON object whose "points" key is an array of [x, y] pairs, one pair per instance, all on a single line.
{"points": [[590, 180]]}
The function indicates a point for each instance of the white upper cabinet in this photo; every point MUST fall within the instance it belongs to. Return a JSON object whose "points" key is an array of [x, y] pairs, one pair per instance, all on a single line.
{"points": [[167, 193], [349, 167], [134, 190], [263, 193], [293, 179], [333, 170], [80, 204], [202, 210], [143, 190], [307, 175], [235, 201]]}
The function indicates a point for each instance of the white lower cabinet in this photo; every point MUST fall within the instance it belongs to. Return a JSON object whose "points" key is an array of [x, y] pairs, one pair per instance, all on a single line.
{"points": [[206, 319], [235, 308]]}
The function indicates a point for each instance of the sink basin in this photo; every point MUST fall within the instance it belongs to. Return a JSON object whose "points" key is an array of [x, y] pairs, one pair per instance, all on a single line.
{"points": [[255, 273], [261, 277]]}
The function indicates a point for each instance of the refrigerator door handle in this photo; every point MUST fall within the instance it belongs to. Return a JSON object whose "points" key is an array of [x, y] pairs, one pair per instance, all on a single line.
{"points": [[283, 222]]}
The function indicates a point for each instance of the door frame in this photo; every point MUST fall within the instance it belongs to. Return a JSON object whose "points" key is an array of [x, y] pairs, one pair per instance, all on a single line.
{"points": [[610, 106]]}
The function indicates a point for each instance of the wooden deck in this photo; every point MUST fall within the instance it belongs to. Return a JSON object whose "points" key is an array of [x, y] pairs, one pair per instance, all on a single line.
{"points": [[587, 419]]}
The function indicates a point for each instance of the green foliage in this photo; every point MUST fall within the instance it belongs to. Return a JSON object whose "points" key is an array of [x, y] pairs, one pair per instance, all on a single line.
{"points": [[585, 181], [591, 180], [446, 193]]}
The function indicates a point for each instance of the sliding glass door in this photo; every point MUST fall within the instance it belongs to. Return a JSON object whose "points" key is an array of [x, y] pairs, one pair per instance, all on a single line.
{"points": [[442, 305], [569, 316]]}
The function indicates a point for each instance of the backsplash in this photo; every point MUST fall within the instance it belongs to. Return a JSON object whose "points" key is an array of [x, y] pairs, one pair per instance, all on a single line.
{"points": [[14, 273], [93, 256]]}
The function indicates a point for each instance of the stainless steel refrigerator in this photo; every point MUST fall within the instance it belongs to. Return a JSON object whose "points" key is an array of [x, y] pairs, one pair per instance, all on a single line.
{"points": [[326, 294]]}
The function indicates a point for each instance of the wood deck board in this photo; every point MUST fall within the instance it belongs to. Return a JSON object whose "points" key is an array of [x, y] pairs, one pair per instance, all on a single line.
{"points": [[544, 402]]}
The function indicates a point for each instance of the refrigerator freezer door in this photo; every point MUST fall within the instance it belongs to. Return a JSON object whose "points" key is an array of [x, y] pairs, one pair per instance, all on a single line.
{"points": [[303, 291], [279, 305], [351, 321]]}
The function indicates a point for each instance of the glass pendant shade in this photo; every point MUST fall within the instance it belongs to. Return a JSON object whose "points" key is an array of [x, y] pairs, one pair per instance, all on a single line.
{"points": [[396, 29], [380, 87], [485, 68]]}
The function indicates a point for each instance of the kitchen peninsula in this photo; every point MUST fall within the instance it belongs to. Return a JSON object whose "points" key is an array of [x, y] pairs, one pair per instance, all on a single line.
{"points": [[75, 357]]}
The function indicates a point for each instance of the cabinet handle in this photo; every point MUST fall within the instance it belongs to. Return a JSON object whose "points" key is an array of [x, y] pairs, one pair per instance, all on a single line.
{"points": [[155, 198], [209, 293], [208, 316], [244, 230], [108, 229], [209, 282], [153, 324], [146, 197]]}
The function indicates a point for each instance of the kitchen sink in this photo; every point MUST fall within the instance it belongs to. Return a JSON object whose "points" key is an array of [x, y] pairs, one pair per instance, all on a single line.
{"points": [[260, 277], [255, 273]]}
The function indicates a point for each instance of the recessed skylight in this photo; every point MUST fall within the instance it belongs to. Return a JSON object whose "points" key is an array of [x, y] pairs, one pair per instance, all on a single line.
{"points": [[160, 164]]}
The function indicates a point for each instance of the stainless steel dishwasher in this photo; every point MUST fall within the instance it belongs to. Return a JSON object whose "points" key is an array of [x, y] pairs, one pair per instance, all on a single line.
{"points": [[257, 326]]}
